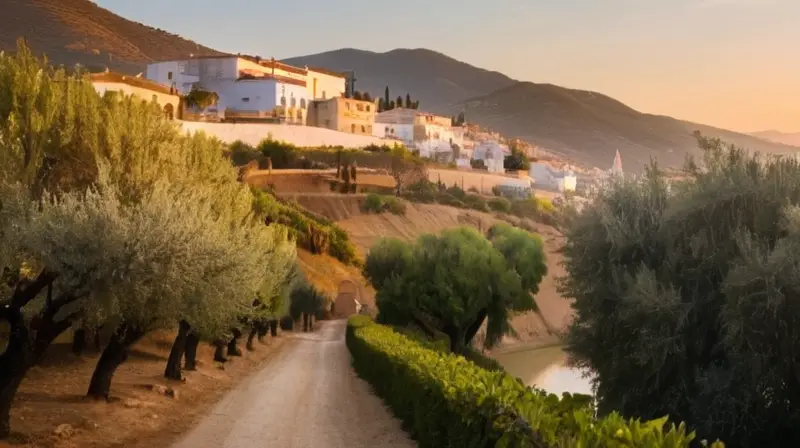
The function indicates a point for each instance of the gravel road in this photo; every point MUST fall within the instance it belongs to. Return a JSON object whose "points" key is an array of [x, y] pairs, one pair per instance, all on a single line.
{"points": [[307, 396]]}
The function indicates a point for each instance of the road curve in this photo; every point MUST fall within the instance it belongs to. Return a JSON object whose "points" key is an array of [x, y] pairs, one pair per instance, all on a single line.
{"points": [[307, 396]]}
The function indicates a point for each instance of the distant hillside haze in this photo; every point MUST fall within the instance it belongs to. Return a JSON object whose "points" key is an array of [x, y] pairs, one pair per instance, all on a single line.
{"points": [[586, 127], [438, 81], [78, 31], [590, 127], [789, 138]]}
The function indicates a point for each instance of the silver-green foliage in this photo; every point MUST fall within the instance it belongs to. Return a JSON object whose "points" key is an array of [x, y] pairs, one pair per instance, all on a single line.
{"points": [[686, 297]]}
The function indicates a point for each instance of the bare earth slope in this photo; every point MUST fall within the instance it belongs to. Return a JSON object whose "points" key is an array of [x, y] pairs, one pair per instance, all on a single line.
{"points": [[366, 229], [590, 127], [789, 138], [307, 397], [79, 31]]}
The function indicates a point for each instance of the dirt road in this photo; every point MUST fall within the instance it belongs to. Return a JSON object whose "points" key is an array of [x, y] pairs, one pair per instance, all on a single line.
{"points": [[307, 396]]}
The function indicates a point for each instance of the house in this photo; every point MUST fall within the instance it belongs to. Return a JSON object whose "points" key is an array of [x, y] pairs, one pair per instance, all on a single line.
{"points": [[430, 134], [343, 114], [493, 155], [548, 178], [166, 97], [252, 88]]}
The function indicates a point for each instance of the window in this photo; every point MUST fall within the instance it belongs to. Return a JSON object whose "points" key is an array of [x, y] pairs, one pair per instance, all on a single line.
{"points": [[363, 129], [386, 130], [353, 128], [246, 100], [294, 102], [283, 101], [368, 108], [155, 97], [169, 75], [302, 103], [360, 107], [347, 105]]}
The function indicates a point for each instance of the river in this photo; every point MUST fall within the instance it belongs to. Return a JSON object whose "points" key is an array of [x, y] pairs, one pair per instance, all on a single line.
{"points": [[546, 368]]}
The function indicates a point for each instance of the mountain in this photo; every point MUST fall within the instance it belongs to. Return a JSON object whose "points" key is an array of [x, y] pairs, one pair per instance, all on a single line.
{"points": [[590, 127], [434, 79], [789, 138], [586, 127], [79, 31]]}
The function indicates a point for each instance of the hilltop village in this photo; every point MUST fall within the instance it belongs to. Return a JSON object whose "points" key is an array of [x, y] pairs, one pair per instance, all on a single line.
{"points": [[239, 89]]}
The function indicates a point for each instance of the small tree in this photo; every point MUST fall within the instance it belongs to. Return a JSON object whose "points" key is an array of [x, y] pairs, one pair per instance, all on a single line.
{"points": [[200, 98], [367, 97], [357, 96], [405, 169], [399, 101], [409, 103], [386, 98]]}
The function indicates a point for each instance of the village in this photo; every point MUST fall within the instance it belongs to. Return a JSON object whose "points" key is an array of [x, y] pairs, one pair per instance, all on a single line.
{"points": [[246, 98]]}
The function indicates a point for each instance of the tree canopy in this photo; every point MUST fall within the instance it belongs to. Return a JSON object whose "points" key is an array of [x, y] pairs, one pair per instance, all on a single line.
{"points": [[685, 296], [453, 282]]}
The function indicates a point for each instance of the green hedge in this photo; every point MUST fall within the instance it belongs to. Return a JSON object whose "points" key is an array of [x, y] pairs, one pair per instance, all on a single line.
{"points": [[445, 400], [376, 203]]}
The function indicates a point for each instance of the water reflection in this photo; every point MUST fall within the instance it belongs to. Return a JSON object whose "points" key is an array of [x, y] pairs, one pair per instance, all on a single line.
{"points": [[545, 368]]}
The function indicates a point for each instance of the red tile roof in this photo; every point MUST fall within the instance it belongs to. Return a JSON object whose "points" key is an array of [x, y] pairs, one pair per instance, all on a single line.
{"points": [[132, 81]]}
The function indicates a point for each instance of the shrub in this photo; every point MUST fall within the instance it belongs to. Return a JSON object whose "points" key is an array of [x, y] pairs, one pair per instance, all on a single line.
{"points": [[373, 204], [447, 401], [475, 202], [501, 205]]}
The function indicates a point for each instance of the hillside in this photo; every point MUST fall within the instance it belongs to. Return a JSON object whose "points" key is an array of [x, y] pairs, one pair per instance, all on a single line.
{"points": [[589, 127], [366, 229], [789, 138], [437, 80], [79, 31]]}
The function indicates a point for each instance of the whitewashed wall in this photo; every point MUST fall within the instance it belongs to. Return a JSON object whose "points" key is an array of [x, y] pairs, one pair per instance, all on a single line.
{"points": [[304, 136]]}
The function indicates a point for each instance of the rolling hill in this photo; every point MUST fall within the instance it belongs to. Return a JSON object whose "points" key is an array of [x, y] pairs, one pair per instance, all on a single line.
{"points": [[78, 31], [789, 138], [437, 80], [585, 127]]}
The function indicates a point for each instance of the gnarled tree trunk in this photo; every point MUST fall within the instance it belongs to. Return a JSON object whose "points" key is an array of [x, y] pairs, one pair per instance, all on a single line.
{"points": [[190, 360], [78, 341], [273, 327], [173, 370], [251, 337], [115, 353], [219, 351], [233, 349], [263, 329]]}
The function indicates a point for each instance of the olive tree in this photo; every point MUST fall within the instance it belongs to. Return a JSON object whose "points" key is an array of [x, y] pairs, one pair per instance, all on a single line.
{"points": [[448, 283], [685, 297]]}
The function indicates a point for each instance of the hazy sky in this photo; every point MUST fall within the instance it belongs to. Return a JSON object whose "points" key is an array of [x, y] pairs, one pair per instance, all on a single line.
{"points": [[729, 63]]}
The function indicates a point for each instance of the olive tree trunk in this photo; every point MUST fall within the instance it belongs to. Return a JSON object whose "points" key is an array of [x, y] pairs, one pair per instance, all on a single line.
{"points": [[173, 370], [115, 353], [190, 360], [233, 348]]}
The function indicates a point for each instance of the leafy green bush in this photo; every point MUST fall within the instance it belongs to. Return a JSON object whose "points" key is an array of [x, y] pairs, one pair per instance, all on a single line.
{"points": [[312, 232], [445, 401], [499, 204], [375, 203], [475, 202]]}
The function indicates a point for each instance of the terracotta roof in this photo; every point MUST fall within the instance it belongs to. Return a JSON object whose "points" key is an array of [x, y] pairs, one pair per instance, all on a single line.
{"points": [[327, 72], [283, 79], [132, 81]]}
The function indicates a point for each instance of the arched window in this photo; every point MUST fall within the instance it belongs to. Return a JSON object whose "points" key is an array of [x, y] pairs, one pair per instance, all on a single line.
{"points": [[283, 101], [302, 103]]}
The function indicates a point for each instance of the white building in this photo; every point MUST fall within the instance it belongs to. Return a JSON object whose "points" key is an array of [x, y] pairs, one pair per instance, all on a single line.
{"points": [[428, 133], [548, 178], [493, 155], [250, 87], [167, 98]]}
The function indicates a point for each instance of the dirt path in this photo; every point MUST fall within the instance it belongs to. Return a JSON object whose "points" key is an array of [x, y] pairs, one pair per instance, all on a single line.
{"points": [[308, 396]]}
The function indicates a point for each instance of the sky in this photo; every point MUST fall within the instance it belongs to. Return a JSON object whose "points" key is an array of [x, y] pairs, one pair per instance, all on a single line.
{"points": [[728, 63]]}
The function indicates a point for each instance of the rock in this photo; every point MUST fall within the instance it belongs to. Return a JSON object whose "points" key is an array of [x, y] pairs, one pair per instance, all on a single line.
{"points": [[64, 431], [154, 416], [171, 393], [133, 403], [89, 424], [158, 388]]}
